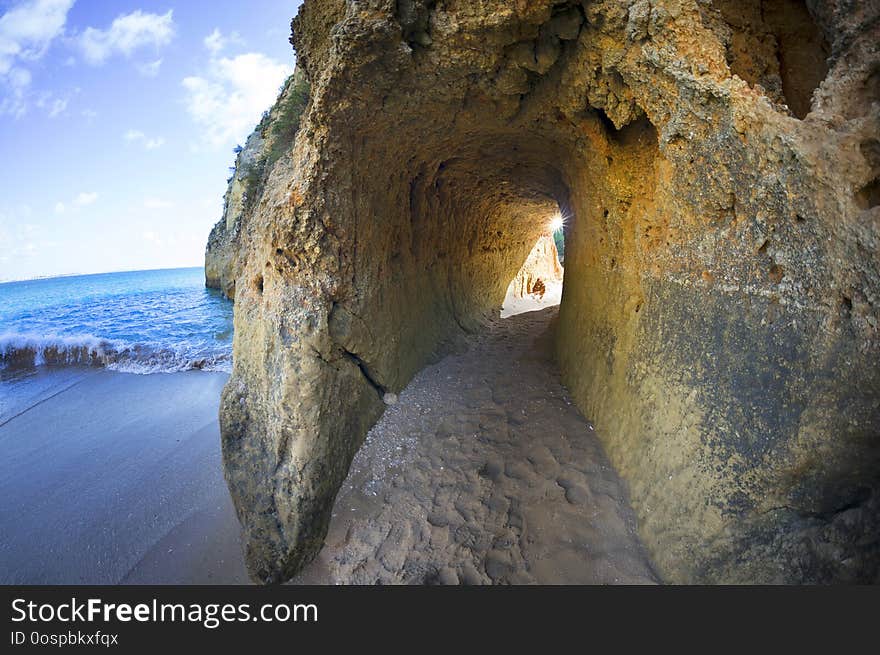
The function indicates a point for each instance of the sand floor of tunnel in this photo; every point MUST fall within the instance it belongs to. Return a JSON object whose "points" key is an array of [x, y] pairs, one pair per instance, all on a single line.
{"points": [[484, 472]]}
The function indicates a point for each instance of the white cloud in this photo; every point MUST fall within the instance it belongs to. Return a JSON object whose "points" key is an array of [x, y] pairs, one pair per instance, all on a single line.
{"points": [[53, 106], [216, 42], [89, 114], [228, 101], [149, 143], [126, 34], [26, 32], [19, 239], [152, 237], [157, 203], [57, 108], [19, 78], [85, 198], [150, 69], [17, 82]]}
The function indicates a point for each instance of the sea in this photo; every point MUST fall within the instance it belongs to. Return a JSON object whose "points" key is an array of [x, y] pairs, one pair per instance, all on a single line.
{"points": [[141, 322]]}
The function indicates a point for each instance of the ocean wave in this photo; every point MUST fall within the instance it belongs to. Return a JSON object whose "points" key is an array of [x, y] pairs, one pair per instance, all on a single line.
{"points": [[21, 351]]}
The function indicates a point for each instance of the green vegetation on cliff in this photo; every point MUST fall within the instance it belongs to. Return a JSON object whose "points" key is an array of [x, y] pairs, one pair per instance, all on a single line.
{"points": [[288, 112], [278, 126]]}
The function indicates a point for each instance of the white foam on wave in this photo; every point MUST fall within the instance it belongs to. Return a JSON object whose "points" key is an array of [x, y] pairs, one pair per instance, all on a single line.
{"points": [[31, 350]]}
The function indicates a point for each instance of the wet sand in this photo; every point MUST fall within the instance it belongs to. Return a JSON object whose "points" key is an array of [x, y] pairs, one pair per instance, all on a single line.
{"points": [[112, 477]]}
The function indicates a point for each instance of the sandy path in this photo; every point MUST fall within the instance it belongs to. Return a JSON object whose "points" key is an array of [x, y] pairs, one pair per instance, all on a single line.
{"points": [[484, 472]]}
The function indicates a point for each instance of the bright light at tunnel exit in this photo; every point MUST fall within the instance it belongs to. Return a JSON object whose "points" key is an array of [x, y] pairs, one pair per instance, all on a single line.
{"points": [[557, 223]]}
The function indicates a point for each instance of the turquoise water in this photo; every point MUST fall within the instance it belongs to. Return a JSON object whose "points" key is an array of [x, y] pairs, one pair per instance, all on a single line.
{"points": [[136, 322]]}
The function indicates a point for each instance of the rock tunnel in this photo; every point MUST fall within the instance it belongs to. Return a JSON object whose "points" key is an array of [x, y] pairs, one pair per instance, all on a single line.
{"points": [[719, 321]]}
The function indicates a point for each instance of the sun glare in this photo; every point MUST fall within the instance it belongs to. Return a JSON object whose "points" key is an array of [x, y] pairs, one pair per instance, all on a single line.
{"points": [[557, 223]]}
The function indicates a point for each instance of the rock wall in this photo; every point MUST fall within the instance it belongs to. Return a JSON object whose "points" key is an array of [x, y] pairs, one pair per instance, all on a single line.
{"points": [[720, 316], [253, 162], [221, 253]]}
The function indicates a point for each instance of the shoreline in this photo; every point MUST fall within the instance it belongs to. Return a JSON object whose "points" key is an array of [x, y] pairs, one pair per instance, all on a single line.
{"points": [[111, 477]]}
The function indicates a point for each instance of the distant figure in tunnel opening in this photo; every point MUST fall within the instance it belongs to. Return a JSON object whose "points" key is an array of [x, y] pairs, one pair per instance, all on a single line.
{"points": [[538, 284], [538, 288], [541, 268]]}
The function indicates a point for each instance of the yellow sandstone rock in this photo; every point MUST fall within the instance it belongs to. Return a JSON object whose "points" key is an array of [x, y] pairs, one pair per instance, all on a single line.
{"points": [[719, 164]]}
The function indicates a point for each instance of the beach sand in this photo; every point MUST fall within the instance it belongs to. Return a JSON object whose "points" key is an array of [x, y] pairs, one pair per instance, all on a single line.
{"points": [[482, 472], [111, 478]]}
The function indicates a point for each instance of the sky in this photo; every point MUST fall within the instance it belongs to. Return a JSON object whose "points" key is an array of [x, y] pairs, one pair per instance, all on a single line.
{"points": [[117, 122]]}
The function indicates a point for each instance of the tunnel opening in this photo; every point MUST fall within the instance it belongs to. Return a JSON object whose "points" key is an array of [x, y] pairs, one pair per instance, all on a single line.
{"points": [[539, 282], [434, 241]]}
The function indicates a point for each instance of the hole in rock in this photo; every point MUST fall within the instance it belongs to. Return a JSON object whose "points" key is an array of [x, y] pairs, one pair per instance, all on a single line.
{"points": [[776, 44], [869, 195], [870, 150], [776, 273]]}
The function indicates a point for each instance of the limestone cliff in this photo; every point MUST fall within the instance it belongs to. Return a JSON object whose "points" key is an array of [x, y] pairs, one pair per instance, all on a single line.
{"points": [[221, 253], [720, 163], [253, 163]]}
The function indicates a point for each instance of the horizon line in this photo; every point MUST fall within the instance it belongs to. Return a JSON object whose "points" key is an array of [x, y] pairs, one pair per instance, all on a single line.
{"points": [[132, 270]]}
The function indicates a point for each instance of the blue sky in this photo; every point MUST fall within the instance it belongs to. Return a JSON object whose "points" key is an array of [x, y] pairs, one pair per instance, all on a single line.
{"points": [[118, 120]]}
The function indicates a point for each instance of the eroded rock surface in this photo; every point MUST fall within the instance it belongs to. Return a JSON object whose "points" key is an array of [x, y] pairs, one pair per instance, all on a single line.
{"points": [[271, 139], [722, 285]]}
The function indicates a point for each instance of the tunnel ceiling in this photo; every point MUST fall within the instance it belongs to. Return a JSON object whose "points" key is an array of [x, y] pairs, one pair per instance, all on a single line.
{"points": [[720, 307]]}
